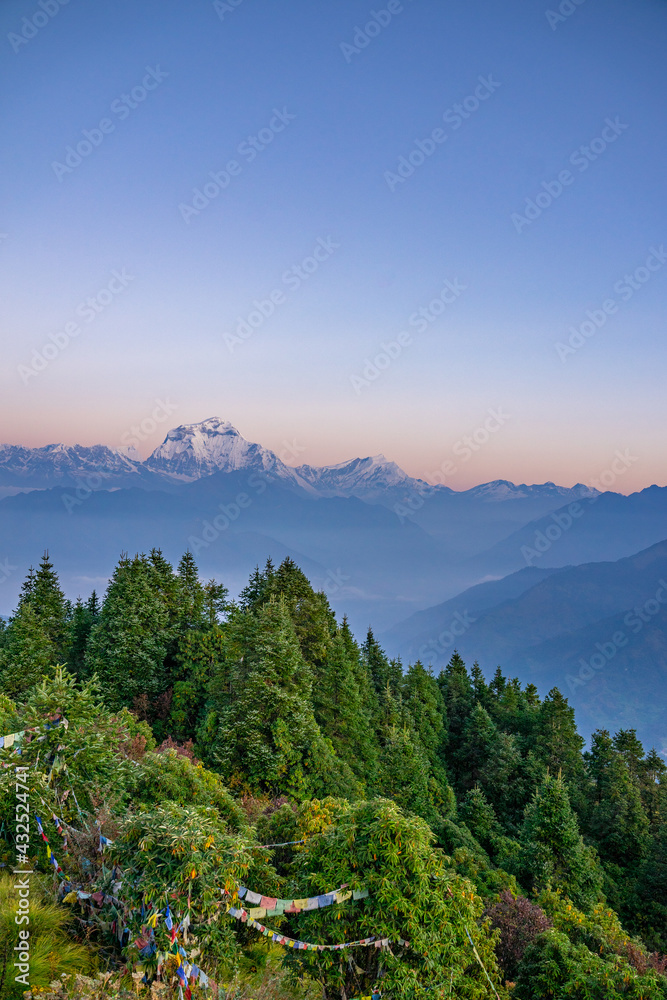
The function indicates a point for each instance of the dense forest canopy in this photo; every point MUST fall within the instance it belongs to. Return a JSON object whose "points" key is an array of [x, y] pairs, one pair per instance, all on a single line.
{"points": [[169, 733]]}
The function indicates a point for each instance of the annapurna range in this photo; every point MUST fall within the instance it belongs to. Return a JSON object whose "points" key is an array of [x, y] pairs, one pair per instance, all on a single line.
{"points": [[193, 451]]}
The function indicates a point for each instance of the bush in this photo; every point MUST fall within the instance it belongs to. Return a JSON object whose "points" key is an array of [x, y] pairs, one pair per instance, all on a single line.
{"points": [[520, 923]]}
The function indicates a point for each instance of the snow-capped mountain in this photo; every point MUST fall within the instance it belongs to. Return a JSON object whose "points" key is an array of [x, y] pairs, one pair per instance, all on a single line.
{"points": [[367, 478], [502, 489], [66, 465], [194, 451]]}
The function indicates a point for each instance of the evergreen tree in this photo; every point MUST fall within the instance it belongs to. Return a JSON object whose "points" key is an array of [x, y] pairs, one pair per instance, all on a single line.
{"points": [[130, 640], [491, 759], [479, 816], [653, 787], [43, 592], [480, 688], [459, 699], [261, 731], [80, 627], [616, 818], [386, 675], [257, 588], [27, 653], [423, 700], [189, 596], [557, 746], [341, 713], [553, 851], [498, 684]]}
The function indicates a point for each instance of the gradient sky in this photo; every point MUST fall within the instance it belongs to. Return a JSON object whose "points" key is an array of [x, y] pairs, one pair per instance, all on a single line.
{"points": [[323, 176]]}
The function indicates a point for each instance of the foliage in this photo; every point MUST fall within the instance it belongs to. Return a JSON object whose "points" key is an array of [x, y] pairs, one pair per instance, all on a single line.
{"points": [[554, 967], [199, 730], [51, 952], [413, 895], [520, 922]]}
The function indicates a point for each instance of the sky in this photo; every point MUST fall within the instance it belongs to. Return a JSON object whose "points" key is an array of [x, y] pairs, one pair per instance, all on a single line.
{"points": [[346, 228]]}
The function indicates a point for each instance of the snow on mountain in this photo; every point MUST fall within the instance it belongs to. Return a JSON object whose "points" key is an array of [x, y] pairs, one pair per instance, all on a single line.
{"points": [[367, 478], [63, 465], [502, 489], [192, 451]]}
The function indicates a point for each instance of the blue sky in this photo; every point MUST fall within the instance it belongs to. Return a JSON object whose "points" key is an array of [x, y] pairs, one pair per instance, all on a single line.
{"points": [[335, 124]]}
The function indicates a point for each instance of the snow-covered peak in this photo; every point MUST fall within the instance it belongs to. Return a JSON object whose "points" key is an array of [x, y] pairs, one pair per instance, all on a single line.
{"points": [[502, 489], [60, 464], [192, 451], [367, 478]]}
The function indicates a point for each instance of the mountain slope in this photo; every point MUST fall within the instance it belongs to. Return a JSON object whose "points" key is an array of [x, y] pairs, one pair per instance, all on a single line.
{"points": [[587, 629], [68, 465]]}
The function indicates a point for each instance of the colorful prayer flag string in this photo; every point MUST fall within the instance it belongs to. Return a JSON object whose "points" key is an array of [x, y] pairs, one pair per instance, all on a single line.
{"points": [[270, 906], [288, 942], [49, 853]]}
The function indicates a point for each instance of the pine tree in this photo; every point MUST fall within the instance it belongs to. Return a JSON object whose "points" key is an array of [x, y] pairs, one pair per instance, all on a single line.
{"points": [[490, 758], [28, 652], [341, 713], [553, 850], [459, 699], [43, 592], [616, 818], [130, 640], [385, 674], [261, 731]]}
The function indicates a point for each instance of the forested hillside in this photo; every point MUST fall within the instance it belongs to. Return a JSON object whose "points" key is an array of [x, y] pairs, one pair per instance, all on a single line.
{"points": [[227, 790]]}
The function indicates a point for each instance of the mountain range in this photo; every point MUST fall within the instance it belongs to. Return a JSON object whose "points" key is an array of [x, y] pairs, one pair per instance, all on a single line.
{"points": [[387, 548]]}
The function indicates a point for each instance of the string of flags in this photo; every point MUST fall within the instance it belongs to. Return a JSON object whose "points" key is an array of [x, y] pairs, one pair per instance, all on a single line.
{"points": [[15, 740], [188, 972], [49, 853], [269, 906], [288, 942]]}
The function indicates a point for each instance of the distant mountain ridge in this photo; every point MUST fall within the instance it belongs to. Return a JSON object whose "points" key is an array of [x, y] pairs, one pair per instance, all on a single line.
{"points": [[598, 631], [194, 451]]}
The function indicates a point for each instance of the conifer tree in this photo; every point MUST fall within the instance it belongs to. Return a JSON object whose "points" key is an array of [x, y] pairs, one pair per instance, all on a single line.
{"points": [[189, 596], [27, 652], [491, 759], [423, 700], [130, 640], [553, 851], [261, 731], [385, 674], [653, 787], [459, 699], [479, 816], [43, 592], [81, 625], [480, 687], [616, 817], [341, 713], [557, 746]]}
